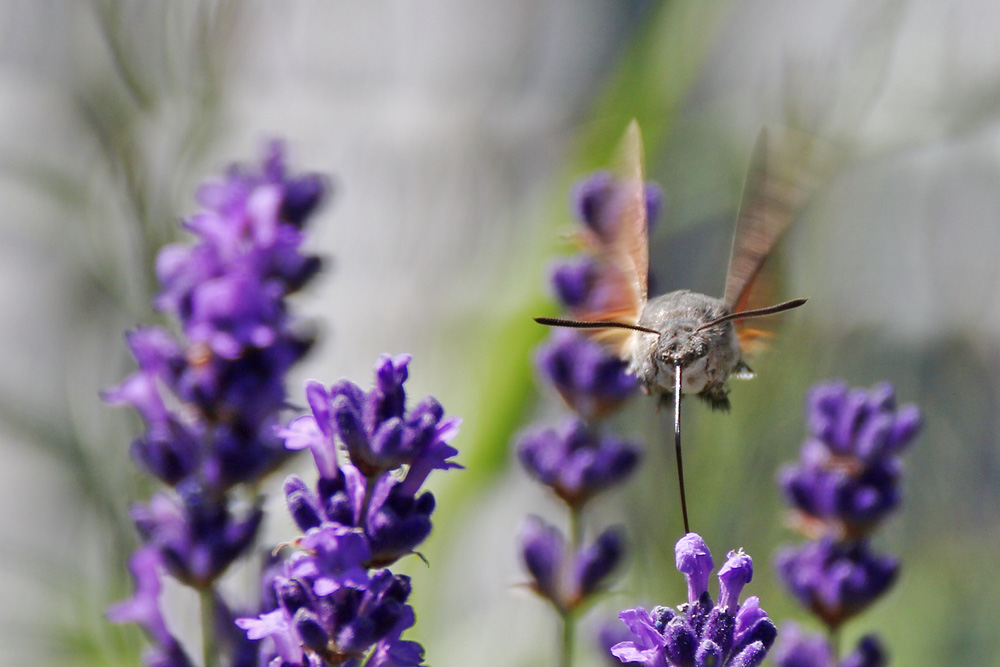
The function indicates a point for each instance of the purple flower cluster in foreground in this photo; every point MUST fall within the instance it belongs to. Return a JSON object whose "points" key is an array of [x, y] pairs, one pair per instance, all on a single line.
{"points": [[578, 459], [333, 602], [845, 483], [210, 397], [701, 633]]}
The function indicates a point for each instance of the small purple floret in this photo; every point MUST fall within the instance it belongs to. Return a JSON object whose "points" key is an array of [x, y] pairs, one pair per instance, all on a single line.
{"points": [[595, 563], [694, 560], [197, 536], [835, 580], [575, 461], [736, 573], [592, 381], [543, 550], [376, 429]]}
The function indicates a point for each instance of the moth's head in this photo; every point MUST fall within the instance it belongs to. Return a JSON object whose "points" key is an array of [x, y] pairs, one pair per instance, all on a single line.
{"points": [[681, 344]]}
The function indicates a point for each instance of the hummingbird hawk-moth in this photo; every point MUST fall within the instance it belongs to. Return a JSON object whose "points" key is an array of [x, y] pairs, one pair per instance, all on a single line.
{"points": [[684, 342], [702, 336]]}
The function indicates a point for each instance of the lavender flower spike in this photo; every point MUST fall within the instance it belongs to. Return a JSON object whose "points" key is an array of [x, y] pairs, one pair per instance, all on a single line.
{"points": [[847, 478], [381, 435], [702, 634], [564, 578]]}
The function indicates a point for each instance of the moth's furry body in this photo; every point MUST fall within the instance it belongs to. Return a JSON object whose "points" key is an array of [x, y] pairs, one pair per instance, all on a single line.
{"points": [[708, 357]]}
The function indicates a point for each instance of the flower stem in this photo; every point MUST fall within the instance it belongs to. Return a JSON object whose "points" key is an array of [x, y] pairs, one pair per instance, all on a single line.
{"points": [[207, 597], [575, 529], [567, 616], [568, 638]]}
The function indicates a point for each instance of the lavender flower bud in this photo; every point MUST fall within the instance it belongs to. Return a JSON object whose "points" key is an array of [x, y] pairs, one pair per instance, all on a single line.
{"points": [[869, 653], [733, 576], [797, 649], [378, 433], [543, 550], [595, 563], [694, 561], [574, 281], [682, 642], [198, 537]]}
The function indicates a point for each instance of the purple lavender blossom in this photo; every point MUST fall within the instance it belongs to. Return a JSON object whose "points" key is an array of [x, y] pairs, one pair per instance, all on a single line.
{"points": [[575, 461], [592, 382], [228, 291], [330, 608], [836, 580], [211, 396], [564, 578], [196, 534], [700, 632], [847, 478], [376, 429], [543, 549], [798, 649], [143, 608], [331, 603]]}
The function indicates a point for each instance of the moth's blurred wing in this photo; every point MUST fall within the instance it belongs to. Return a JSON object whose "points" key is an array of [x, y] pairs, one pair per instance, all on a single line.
{"points": [[620, 247], [786, 167]]}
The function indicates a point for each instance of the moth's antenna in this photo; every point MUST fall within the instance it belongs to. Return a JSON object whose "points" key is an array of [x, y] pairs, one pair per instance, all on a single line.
{"points": [[757, 312], [577, 324], [677, 444]]}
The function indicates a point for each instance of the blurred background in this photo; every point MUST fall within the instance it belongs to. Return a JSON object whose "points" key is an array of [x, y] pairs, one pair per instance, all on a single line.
{"points": [[452, 132]]}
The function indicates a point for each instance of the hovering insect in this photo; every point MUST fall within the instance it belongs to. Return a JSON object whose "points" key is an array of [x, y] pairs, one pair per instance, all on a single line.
{"points": [[684, 342]]}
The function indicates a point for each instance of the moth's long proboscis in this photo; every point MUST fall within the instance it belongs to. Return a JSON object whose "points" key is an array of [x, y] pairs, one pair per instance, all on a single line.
{"points": [[677, 445]]}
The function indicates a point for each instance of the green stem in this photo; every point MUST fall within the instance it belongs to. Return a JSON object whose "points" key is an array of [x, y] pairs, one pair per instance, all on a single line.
{"points": [[567, 617], [208, 647], [568, 638], [834, 639], [575, 529]]}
